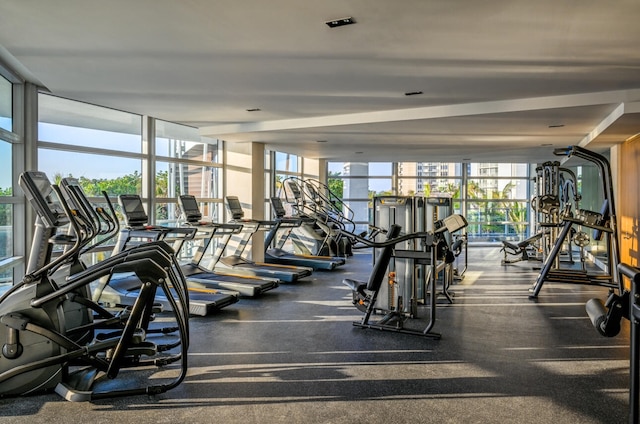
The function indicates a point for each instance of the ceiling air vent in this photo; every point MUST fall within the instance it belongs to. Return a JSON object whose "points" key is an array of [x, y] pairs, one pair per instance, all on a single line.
{"points": [[340, 22]]}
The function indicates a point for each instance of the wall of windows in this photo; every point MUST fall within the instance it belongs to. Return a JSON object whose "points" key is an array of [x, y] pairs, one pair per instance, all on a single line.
{"points": [[6, 209], [7, 136], [99, 146], [357, 182], [124, 153], [6, 104], [103, 148], [186, 163], [497, 201], [493, 197], [288, 166]]}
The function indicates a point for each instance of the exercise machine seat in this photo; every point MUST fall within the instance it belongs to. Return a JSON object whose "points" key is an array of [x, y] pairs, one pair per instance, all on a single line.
{"points": [[379, 269]]}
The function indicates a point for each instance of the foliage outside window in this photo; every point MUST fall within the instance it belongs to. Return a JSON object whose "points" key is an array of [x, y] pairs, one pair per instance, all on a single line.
{"points": [[494, 200], [101, 147]]}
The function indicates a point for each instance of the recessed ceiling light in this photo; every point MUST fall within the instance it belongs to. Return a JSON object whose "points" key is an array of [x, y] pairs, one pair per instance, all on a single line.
{"points": [[556, 126], [254, 109], [340, 22], [412, 93]]}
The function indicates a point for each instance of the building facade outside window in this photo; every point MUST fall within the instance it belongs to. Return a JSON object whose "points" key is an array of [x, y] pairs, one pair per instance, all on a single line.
{"points": [[186, 163], [493, 197]]}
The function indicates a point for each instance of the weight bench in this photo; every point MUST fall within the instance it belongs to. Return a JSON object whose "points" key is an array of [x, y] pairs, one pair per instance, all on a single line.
{"points": [[518, 249]]}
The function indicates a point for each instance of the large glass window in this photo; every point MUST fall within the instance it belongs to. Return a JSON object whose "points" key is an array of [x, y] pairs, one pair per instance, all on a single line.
{"points": [[356, 183], [115, 175], [100, 147], [186, 164], [79, 124], [7, 200], [286, 165], [493, 197], [286, 162], [498, 206], [6, 104], [6, 209], [5, 169]]}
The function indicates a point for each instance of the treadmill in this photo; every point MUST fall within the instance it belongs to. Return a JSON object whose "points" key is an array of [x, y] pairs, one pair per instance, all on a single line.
{"points": [[239, 264], [277, 255], [202, 301], [199, 276]]}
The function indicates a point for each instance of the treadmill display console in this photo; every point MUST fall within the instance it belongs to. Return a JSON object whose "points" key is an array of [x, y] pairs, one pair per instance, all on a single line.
{"points": [[133, 209], [278, 208], [190, 208], [235, 207]]}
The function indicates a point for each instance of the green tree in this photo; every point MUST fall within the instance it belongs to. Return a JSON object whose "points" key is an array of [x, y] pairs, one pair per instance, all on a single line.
{"points": [[5, 210], [336, 184], [127, 184], [5, 215], [515, 212], [162, 184]]}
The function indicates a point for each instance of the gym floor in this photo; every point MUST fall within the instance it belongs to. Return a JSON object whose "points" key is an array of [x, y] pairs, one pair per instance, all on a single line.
{"points": [[293, 356]]}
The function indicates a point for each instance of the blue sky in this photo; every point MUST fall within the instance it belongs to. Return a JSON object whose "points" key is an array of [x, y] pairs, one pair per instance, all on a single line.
{"points": [[95, 166]]}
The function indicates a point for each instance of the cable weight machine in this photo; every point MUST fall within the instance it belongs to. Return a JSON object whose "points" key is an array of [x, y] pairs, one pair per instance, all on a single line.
{"points": [[430, 252]]}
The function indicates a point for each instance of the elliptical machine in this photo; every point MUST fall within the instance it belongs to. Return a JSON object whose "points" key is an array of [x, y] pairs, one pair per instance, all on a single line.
{"points": [[54, 337]]}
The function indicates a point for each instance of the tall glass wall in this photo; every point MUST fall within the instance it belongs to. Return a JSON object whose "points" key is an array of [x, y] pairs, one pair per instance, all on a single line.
{"points": [[105, 150], [100, 147], [6, 104], [493, 197], [285, 166], [6, 209], [497, 205], [186, 163], [357, 183], [289, 166], [6, 178]]}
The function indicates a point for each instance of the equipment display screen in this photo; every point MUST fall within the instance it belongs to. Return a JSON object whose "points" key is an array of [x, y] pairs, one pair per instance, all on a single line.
{"points": [[132, 205], [278, 208], [234, 204], [133, 209], [295, 190], [44, 188], [189, 205], [37, 188], [190, 208]]}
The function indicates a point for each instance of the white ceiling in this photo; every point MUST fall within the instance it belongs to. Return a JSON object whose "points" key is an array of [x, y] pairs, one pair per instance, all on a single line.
{"points": [[495, 74]]}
